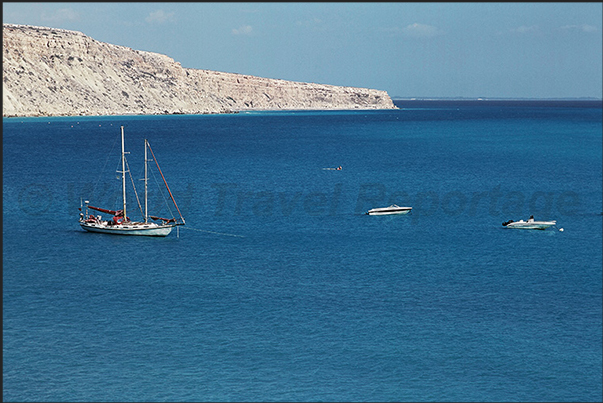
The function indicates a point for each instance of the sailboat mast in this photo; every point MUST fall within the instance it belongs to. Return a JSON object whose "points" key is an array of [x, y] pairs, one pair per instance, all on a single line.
{"points": [[145, 182], [123, 170]]}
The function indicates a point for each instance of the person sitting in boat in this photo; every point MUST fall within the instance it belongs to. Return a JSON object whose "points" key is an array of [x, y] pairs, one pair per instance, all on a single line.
{"points": [[531, 219], [339, 168]]}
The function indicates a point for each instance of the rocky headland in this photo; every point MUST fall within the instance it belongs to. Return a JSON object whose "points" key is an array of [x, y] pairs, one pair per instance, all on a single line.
{"points": [[56, 72]]}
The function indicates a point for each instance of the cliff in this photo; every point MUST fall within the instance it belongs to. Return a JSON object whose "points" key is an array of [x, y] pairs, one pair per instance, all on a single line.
{"points": [[55, 72]]}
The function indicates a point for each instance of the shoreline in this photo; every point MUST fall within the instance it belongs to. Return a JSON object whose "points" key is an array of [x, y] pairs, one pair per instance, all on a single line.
{"points": [[399, 103]]}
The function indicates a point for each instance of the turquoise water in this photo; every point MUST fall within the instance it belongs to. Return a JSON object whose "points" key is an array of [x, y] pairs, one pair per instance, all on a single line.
{"points": [[280, 288]]}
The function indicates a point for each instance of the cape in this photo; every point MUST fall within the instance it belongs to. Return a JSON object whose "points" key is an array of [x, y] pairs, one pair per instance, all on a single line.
{"points": [[57, 72]]}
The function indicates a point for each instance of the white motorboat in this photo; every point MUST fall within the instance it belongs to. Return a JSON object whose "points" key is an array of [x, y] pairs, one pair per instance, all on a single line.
{"points": [[530, 224], [393, 209], [120, 223]]}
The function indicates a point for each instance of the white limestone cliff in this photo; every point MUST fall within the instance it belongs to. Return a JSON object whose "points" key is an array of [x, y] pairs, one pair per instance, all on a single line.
{"points": [[55, 72]]}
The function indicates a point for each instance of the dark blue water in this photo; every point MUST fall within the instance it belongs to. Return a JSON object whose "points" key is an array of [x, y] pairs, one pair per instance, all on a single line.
{"points": [[280, 288]]}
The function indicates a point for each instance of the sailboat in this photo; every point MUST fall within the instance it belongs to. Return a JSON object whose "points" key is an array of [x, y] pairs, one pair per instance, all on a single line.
{"points": [[120, 223]]}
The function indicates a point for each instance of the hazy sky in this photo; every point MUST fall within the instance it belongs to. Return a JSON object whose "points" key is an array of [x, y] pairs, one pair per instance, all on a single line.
{"points": [[524, 50]]}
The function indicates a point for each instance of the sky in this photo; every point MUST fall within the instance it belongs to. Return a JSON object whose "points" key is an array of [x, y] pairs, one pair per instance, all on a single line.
{"points": [[410, 50]]}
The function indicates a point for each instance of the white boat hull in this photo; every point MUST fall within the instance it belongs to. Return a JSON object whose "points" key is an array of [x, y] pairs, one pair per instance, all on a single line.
{"points": [[531, 224], [389, 210], [140, 229]]}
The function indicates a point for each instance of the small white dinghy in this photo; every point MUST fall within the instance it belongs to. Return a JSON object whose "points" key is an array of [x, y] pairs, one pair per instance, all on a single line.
{"points": [[530, 224], [393, 209]]}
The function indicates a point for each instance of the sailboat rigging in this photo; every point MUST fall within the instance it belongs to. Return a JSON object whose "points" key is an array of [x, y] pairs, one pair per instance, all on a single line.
{"points": [[120, 223]]}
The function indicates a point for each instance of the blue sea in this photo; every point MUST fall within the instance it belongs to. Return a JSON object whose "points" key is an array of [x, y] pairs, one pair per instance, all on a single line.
{"points": [[280, 287]]}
